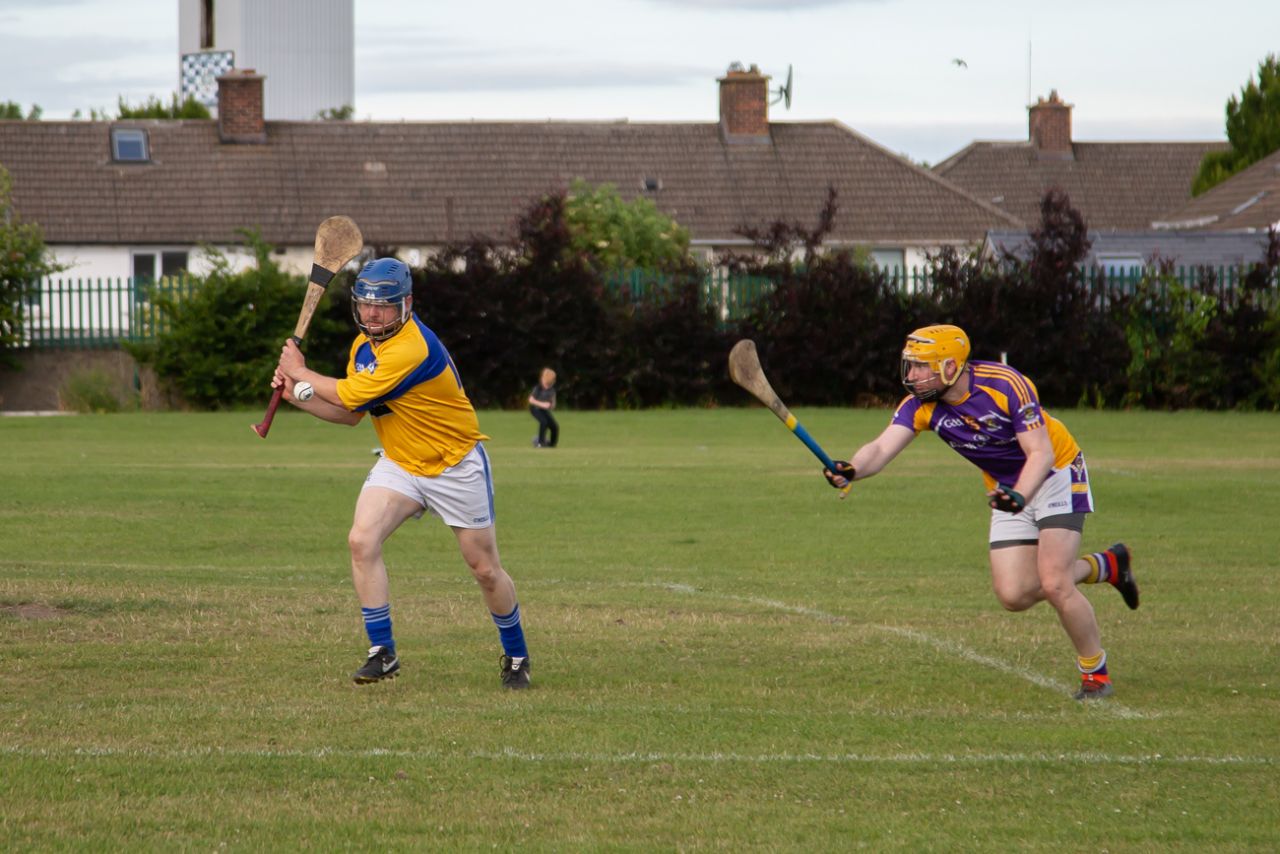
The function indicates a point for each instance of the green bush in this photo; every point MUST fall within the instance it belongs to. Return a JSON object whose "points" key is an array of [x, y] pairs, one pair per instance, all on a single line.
{"points": [[1165, 329], [224, 338], [23, 260]]}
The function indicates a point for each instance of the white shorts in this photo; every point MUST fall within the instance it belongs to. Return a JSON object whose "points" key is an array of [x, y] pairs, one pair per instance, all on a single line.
{"points": [[1061, 502], [461, 495]]}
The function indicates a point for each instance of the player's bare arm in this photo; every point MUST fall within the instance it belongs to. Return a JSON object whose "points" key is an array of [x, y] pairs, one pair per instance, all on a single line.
{"points": [[872, 457], [324, 402], [315, 405], [1039, 450]]}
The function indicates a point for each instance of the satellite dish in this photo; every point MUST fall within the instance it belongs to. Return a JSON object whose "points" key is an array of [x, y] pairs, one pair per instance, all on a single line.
{"points": [[784, 92]]}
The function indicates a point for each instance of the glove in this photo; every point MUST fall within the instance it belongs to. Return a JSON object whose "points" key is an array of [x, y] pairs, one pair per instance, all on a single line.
{"points": [[844, 470], [1008, 500]]}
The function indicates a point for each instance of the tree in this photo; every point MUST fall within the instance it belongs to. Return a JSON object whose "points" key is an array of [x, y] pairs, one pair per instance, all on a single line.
{"points": [[23, 261], [13, 111], [833, 319], [1253, 128], [618, 233], [154, 108], [337, 114]]}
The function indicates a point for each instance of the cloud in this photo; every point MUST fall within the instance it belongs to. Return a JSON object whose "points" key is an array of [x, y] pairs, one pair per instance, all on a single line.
{"points": [[474, 73], [68, 73]]}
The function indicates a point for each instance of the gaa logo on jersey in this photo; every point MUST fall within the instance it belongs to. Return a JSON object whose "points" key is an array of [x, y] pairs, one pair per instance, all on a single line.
{"points": [[1030, 414], [367, 367]]}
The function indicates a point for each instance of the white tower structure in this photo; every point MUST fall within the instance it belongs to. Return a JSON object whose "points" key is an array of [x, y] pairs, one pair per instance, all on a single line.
{"points": [[304, 48]]}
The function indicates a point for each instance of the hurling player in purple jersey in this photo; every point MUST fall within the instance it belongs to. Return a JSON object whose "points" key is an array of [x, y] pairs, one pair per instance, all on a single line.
{"points": [[1037, 484]]}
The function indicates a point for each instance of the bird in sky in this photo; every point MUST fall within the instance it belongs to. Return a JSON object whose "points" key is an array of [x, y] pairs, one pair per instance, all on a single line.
{"points": [[959, 63]]}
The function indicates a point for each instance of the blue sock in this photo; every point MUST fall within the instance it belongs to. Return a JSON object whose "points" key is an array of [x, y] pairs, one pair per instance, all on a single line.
{"points": [[377, 622], [511, 633]]}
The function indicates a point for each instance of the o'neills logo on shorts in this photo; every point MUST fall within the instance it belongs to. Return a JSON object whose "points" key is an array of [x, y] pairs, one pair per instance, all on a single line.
{"points": [[479, 520]]}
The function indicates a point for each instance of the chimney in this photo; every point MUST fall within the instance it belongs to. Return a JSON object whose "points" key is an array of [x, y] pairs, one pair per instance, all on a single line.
{"points": [[744, 105], [240, 107], [1049, 128]]}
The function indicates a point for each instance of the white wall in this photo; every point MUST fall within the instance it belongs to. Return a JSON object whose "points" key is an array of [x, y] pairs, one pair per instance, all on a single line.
{"points": [[305, 49]]}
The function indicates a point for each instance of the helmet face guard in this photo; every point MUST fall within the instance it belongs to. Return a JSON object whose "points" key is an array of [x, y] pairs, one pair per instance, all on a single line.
{"points": [[382, 282], [935, 347]]}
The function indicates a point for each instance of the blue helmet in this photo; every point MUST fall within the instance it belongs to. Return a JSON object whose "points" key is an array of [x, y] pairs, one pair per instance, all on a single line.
{"points": [[383, 281]]}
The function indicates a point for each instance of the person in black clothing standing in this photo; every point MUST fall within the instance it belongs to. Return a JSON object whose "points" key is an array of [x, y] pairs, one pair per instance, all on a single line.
{"points": [[541, 401]]}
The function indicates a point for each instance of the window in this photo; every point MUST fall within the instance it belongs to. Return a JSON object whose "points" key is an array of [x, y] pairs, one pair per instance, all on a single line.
{"points": [[129, 145], [173, 263], [891, 261], [888, 259], [206, 24], [1126, 265], [148, 266]]}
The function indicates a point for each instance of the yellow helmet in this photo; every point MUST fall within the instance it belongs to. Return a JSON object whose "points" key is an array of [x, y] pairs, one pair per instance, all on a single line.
{"points": [[935, 346]]}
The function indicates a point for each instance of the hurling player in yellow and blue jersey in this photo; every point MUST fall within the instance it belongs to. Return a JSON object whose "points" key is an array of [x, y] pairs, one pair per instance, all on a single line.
{"points": [[433, 458], [1037, 484]]}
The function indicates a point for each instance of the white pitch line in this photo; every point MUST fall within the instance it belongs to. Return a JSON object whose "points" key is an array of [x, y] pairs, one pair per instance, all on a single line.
{"points": [[1110, 707], [642, 757], [950, 647]]}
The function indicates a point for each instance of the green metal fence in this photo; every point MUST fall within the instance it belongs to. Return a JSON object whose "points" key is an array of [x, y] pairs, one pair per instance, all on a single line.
{"points": [[731, 295], [86, 313]]}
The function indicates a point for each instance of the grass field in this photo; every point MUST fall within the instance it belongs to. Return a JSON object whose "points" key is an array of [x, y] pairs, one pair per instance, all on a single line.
{"points": [[725, 655]]}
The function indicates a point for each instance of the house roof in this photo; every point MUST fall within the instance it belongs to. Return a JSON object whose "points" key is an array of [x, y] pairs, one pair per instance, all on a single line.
{"points": [[1114, 185], [1247, 200], [426, 183], [1183, 248]]}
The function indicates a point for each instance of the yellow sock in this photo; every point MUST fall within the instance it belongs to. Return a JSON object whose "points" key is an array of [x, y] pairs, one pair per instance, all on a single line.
{"points": [[1090, 664], [1094, 570]]}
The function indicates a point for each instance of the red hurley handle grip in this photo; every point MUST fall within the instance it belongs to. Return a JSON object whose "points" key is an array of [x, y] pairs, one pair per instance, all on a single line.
{"points": [[262, 428]]}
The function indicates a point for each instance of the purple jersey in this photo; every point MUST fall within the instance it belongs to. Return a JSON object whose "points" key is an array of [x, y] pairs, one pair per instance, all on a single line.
{"points": [[983, 428]]}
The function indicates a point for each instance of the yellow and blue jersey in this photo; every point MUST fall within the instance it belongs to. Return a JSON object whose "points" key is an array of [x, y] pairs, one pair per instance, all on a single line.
{"points": [[983, 428], [412, 390]]}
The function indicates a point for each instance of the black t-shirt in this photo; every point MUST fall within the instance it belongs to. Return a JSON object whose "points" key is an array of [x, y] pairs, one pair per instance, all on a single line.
{"points": [[546, 395]]}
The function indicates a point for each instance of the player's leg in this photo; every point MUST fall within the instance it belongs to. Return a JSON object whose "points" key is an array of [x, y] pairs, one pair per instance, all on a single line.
{"points": [[1059, 574], [1014, 577], [379, 511], [1111, 565], [540, 415], [479, 547], [463, 497], [553, 428], [1058, 568]]}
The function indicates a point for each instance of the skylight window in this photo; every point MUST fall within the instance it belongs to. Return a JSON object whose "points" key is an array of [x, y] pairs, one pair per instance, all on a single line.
{"points": [[129, 145], [1248, 203]]}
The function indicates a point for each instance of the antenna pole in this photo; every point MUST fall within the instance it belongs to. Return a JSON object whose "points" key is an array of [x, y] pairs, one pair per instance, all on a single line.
{"points": [[1028, 68]]}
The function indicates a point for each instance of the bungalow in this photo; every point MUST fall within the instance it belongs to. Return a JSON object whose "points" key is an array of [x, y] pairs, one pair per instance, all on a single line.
{"points": [[1116, 186], [138, 198], [1248, 201]]}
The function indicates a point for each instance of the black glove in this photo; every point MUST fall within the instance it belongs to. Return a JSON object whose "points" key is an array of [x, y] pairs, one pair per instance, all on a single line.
{"points": [[1008, 499], [844, 470]]}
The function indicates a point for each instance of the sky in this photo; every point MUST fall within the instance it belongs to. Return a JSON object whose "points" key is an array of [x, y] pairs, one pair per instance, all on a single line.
{"points": [[1133, 69]]}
